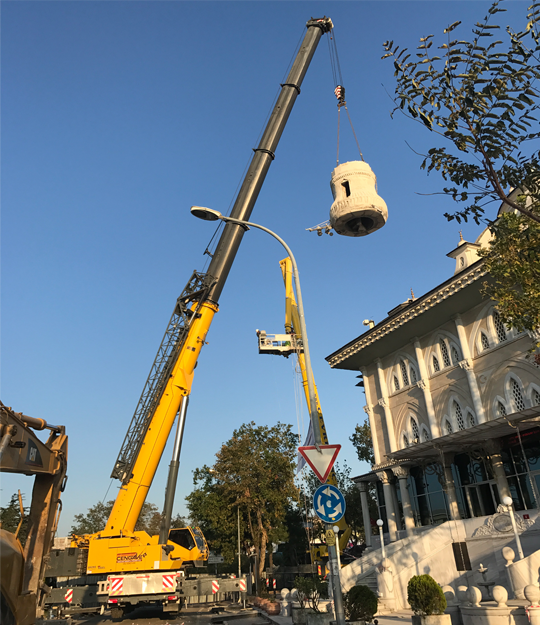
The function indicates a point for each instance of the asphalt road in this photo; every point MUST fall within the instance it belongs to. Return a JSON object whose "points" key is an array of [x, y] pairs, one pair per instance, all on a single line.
{"points": [[189, 616]]}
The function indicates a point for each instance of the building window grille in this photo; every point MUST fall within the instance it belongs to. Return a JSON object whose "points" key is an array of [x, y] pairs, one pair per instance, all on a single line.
{"points": [[444, 353], [425, 435], [501, 408], [458, 414], [535, 398], [517, 395], [455, 356], [414, 379], [396, 383], [404, 373], [484, 340], [436, 364], [499, 327], [472, 420], [415, 430], [405, 440], [448, 427]]}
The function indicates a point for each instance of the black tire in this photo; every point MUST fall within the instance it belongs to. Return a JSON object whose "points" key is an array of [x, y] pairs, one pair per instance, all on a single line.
{"points": [[117, 614]]}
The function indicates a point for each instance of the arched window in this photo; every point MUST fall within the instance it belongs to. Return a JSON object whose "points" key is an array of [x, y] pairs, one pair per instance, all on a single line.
{"points": [[405, 440], [471, 420], [484, 341], [499, 327], [517, 395], [415, 431], [448, 427], [455, 356], [425, 435], [444, 353], [436, 364], [404, 373], [501, 409], [535, 398], [413, 376], [458, 415], [396, 383]]}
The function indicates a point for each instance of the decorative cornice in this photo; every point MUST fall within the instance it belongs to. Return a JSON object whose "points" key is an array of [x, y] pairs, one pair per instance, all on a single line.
{"points": [[383, 402], [368, 409], [423, 384], [414, 310], [465, 364]]}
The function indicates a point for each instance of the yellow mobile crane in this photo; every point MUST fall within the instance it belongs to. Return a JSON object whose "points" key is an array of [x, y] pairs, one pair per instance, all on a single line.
{"points": [[130, 567], [291, 343]]}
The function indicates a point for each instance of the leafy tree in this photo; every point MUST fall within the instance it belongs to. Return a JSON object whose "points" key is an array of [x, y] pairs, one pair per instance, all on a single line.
{"points": [[482, 98], [254, 471], [10, 517], [363, 443], [96, 519], [295, 550]]}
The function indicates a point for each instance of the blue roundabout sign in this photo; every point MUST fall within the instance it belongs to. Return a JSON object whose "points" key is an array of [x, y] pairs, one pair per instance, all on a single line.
{"points": [[329, 503]]}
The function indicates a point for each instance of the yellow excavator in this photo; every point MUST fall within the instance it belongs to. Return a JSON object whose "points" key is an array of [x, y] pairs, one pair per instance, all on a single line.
{"points": [[120, 567], [22, 571], [285, 345]]}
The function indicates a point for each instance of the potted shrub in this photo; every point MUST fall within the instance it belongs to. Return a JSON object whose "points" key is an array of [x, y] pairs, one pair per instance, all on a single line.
{"points": [[360, 605], [299, 613], [310, 590], [427, 601]]}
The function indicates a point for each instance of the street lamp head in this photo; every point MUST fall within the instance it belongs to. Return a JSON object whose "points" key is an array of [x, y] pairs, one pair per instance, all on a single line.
{"points": [[208, 214], [380, 522], [507, 501]]}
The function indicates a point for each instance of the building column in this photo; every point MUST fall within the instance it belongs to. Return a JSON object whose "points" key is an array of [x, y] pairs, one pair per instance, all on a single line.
{"points": [[362, 487], [423, 383], [450, 487], [396, 505], [493, 448], [383, 401], [466, 365], [402, 473], [389, 503], [368, 409]]}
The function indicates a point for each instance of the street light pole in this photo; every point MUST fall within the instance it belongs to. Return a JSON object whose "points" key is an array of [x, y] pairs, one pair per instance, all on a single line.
{"points": [[210, 214], [507, 501], [380, 523]]}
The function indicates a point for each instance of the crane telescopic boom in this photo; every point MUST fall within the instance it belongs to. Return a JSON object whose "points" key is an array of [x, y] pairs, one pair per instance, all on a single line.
{"points": [[171, 375]]}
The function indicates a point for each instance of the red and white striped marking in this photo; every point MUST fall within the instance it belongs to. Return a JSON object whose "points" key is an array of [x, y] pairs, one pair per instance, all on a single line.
{"points": [[242, 585], [274, 583], [215, 586], [169, 581], [268, 582], [116, 585], [69, 595]]}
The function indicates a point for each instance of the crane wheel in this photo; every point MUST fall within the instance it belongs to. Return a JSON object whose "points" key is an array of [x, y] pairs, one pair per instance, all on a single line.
{"points": [[117, 614]]}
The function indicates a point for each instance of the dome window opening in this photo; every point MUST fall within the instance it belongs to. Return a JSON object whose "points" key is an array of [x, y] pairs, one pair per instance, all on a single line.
{"points": [[345, 184]]}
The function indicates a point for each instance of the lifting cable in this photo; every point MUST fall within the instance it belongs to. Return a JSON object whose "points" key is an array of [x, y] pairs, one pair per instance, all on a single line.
{"points": [[339, 90]]}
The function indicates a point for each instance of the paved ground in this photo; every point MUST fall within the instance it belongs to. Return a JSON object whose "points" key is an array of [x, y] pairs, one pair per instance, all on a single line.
{"points": [[390, 619], [149, 616]]}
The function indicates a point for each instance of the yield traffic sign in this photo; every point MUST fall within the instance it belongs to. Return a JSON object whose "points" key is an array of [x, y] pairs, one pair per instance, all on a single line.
{"points": [[329, 503], [320, 460]]}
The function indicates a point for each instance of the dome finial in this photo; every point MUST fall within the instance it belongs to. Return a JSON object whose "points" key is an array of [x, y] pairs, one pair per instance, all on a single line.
{"points": [[461, 239]]}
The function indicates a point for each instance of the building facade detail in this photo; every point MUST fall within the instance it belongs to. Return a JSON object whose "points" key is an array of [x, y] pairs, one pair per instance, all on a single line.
{"points": [[433, 379]]}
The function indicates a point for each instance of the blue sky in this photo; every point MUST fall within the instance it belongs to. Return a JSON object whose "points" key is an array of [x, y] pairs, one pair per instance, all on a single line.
{"points": [[116, 118]]}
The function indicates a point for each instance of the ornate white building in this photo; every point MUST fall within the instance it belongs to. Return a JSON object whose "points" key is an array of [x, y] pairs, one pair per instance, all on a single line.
{"points": [[453, 400]]}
